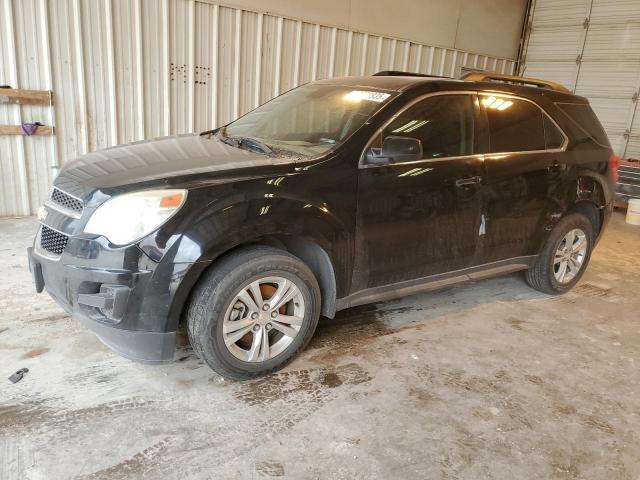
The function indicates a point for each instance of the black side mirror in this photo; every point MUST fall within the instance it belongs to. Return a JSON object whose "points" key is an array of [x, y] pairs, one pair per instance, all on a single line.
{"points": [[396, 149], [401, 149]]}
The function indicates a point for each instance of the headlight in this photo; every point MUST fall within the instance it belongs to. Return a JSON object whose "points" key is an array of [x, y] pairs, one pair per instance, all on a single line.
{"points": [[129, 217]]}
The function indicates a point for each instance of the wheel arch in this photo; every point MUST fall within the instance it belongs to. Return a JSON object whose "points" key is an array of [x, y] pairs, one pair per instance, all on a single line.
{"points": [[308, 251], [315, 238], [594, 196], [589, 209], [319, 262]]}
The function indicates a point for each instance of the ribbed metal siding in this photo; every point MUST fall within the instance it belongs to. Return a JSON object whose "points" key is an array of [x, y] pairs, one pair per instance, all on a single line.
{"points": [[593, 47], [134, 69]]}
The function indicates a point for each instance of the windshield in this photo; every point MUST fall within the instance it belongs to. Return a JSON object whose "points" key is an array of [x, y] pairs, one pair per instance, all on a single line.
{"points": [[309, 120]]}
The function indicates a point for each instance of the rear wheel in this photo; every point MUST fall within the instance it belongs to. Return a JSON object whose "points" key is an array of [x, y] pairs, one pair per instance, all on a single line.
{"points": [[253, 312], [564, 257]]}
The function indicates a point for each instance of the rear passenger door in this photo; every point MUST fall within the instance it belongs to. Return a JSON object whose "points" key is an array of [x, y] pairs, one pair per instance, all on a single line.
{"points": [[525, 176]]}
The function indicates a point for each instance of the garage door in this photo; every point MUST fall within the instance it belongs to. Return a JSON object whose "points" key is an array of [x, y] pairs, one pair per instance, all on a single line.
{"points": [[592, 47]]}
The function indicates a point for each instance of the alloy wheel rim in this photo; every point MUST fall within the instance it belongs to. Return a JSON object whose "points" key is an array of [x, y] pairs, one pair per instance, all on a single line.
{"points": [[263, 319], [570, 255]]}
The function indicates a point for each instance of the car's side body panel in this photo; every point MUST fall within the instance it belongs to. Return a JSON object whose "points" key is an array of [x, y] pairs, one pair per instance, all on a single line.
{"points": [[521, 197], [433, 282], [415, 220], [524, 191], [418, 218]]}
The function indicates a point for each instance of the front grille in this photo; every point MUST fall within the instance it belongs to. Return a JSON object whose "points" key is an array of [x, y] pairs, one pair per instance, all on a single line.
{"points": [[53, 241], [65, 200]]}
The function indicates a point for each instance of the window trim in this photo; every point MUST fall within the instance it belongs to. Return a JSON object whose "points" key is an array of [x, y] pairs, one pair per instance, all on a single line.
{"points": [[363, 165], [560, 149]]}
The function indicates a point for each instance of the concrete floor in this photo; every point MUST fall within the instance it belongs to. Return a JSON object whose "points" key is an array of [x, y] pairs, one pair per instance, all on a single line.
{"points": [[484, 380]]}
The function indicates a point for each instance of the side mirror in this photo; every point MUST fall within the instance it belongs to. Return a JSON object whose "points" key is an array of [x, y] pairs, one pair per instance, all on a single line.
{"points": [[401, 149], [395, 149]]}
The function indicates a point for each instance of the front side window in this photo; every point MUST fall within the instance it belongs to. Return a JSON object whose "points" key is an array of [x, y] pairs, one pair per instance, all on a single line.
{"points": [[309, 120], [519, 126], [443, 124]]}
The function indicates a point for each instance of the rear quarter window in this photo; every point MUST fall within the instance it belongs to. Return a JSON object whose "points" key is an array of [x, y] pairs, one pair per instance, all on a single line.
{"points": [[585, 119], [552, 135]]}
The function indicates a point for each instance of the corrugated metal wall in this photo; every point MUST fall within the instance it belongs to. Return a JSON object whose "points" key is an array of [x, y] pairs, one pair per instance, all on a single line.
{"points": [[592, 47], [132, 69]]}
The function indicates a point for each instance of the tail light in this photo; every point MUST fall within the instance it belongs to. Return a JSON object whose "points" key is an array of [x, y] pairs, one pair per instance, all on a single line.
{"points": [[614, 161]]}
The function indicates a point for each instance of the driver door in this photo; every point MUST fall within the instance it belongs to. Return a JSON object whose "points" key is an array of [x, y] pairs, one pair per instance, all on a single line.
{"points": [[419, 213]]}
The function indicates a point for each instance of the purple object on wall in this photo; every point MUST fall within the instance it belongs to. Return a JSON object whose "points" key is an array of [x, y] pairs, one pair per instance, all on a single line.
{"points": [[30, 128]]}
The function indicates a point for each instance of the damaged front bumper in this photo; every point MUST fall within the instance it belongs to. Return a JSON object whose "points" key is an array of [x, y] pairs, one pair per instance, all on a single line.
{"points": [[128, 309]]}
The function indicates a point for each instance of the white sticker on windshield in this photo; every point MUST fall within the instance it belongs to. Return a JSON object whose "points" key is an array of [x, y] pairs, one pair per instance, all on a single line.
{"points": [[358, 95]]}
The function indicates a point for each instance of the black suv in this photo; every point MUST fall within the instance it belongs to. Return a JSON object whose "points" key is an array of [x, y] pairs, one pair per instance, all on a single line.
{"points": [[338, 193]]}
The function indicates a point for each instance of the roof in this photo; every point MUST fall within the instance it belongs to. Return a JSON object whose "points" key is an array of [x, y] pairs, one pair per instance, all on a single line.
{"points": [[393, 82], [402, 81]]}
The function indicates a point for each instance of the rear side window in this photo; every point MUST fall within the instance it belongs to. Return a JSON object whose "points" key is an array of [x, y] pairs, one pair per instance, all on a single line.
{"points": [[583, 116], [514, 125]]}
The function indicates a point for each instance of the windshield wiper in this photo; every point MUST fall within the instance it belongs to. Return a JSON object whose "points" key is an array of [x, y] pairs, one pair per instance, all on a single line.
{"points": [[249, 143], [253, 144]]}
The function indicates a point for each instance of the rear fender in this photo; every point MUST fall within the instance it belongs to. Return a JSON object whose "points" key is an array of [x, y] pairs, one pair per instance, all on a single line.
{"points": [[596, 188], [593, 198]]}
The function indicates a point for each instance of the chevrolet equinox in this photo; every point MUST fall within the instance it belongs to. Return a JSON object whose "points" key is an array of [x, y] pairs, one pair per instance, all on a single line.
{"points": [[337, 193]]}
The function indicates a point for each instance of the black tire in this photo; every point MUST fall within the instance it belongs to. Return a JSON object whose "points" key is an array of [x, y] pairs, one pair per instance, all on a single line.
{"points": [[214, 292], [541, 275]]}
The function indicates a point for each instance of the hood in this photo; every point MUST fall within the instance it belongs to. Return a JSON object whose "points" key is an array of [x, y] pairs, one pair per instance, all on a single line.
{"points": [[157, 159]]}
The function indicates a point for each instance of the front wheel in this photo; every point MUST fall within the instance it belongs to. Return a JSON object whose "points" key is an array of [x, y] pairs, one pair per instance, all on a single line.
{"points": [[564, 257], [253, 312]]}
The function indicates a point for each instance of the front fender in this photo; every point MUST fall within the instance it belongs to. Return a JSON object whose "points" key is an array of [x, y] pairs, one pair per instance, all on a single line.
{"points": [[233, 221]]}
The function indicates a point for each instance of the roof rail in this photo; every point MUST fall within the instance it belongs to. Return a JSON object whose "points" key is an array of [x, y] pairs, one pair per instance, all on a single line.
{"points": [[398, 73], [500, 77]]}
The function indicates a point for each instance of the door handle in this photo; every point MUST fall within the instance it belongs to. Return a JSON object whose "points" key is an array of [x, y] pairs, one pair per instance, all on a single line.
{"points": [[555, 167], [461, 182]]}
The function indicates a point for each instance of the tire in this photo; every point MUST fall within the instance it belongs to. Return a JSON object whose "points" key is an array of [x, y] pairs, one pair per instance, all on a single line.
{"points": [[216, 305], [543, 275]]}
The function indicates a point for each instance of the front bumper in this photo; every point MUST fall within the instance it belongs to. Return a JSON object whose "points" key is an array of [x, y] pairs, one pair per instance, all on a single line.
{"points": [[142, 347], [127, 308]]}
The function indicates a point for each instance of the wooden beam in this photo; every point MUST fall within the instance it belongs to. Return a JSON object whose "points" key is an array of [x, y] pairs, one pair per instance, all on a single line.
{"points": [[26, 97], [17, 130]]}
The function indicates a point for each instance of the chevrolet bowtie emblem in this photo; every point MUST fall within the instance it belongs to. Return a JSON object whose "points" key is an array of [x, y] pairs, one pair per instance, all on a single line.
{"points": [[42, 213]]}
